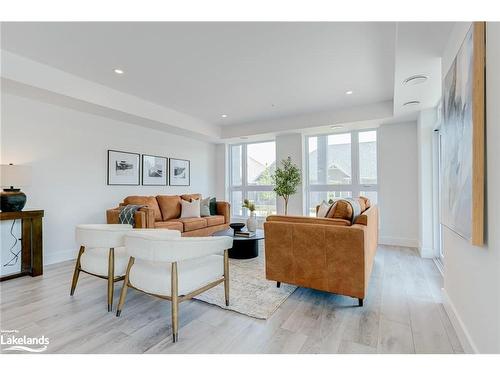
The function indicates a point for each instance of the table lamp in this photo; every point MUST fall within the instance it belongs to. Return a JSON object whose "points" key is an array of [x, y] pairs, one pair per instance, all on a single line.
{"points": [[12, 177]]}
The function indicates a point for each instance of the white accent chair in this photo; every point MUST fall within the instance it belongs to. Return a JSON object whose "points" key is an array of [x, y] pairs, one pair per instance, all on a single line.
{"points": [[102, 253], [175, 269]]}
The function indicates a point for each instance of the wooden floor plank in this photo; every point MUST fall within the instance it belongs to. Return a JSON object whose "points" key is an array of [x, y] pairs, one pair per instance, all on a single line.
{"points": [[402, 314]]}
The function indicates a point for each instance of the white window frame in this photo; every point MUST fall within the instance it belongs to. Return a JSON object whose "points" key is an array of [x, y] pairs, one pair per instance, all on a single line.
{"points": [[245, 187], [355, 187]]}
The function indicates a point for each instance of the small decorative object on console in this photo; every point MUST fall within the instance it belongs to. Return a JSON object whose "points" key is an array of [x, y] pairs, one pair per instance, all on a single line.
{"points": [[13, 177]]}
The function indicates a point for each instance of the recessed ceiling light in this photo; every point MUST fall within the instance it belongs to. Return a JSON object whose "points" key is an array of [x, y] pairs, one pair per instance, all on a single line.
{"points": [[415, 80], [348, 92], [411, 103], [118, 71], [223, 116], [336, 127]]}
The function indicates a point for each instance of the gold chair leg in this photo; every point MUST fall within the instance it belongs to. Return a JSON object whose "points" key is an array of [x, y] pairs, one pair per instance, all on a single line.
{"points": [[123, 294], [111, 277], [77, 271], [175, 302], [226, 276]]}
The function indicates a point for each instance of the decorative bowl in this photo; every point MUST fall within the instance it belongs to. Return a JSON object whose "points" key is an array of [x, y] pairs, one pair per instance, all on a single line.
{"points": [[237, 226]]}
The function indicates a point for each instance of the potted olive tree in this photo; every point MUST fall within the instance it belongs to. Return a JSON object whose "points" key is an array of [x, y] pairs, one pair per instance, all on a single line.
{"points": [[286, 180]]}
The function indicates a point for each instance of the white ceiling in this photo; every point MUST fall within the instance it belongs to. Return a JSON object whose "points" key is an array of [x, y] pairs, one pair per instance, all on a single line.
{"points": [[419, 48], [250, 71]]}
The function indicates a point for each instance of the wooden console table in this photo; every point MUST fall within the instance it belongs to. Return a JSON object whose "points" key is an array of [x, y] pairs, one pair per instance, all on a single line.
{"points": [[31, 242]]}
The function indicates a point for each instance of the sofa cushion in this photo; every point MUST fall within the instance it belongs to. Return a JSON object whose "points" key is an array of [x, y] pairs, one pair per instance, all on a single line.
{"points": [[170, 224], [190, 197], [192, 223], [145, 201], [215, 220], [170, 206]]}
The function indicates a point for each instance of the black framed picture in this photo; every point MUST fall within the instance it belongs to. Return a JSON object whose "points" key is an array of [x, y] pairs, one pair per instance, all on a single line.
{"points": [[180, 174], [154, 170], [123, 168]]}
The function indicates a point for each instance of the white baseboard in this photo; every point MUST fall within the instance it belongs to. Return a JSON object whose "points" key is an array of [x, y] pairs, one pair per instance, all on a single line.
{"points": [[427, 252], [398, 241], [59, 256], [462, 333]]}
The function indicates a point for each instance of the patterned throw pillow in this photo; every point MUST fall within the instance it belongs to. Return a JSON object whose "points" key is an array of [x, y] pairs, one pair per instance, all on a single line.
{"points": [[323, 209], [190, 209], [205, 207]]}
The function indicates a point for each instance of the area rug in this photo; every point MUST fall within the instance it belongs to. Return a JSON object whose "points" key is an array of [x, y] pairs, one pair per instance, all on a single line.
{"points": [[249, 291]]}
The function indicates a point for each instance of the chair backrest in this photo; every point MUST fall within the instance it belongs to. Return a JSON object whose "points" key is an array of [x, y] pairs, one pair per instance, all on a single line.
{"points": [[157, 247], [101, 235]]}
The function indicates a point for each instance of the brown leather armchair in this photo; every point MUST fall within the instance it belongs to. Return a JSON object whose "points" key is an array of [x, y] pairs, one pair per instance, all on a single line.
{"points": [[325, 254]]}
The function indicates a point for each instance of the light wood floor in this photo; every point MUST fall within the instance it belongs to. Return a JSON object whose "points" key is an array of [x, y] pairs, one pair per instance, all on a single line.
{"points": [[403, 313]]}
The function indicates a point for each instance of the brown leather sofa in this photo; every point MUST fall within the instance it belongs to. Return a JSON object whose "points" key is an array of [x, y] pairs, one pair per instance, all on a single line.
{"points": [[327, 254], [164, 211]]}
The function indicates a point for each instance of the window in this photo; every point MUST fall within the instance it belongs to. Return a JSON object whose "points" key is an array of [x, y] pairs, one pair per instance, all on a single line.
{"points": [[341, 165], [252, 166]]}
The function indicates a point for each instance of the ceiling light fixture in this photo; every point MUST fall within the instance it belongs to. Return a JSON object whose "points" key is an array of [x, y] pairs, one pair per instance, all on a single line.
{"points": [[415, 80], [411, 103], [349, 92], [336, 127], [118, 71], [223, 116]]}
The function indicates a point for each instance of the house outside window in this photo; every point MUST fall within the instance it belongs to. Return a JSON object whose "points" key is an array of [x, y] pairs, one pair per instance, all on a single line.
{"points": [[340, 165]]}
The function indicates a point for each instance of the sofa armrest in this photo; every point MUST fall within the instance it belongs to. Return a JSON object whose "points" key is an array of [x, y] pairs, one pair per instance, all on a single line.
{"points": [[224, 208], [308, 220], [144, 217], [112, 216]]}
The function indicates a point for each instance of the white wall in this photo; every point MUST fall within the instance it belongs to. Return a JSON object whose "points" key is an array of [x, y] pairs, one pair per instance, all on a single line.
{"points": [[398, 184], [425, 132], [291, 145], [472, 274], [67, 150]]}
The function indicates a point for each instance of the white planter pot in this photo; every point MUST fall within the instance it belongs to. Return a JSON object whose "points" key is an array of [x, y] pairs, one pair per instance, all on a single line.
{"points": [[252, 222]]}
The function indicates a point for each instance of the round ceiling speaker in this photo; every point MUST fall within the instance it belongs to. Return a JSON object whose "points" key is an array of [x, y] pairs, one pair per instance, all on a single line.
{"points": [[415, 80]]}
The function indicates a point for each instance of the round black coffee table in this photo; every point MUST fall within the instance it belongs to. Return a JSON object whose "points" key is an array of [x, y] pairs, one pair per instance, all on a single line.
{"points": [[243, 247]]}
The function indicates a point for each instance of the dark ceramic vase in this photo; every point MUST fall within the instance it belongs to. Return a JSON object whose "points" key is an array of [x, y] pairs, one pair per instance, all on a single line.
{"points": [[12, 200]]}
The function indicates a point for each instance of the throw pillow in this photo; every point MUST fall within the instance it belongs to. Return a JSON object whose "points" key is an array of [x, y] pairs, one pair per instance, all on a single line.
{"points": [[331, 211], [190, 209], [205, 207], [323, 209], [213, 206], [367, 202], [343, 210]]}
